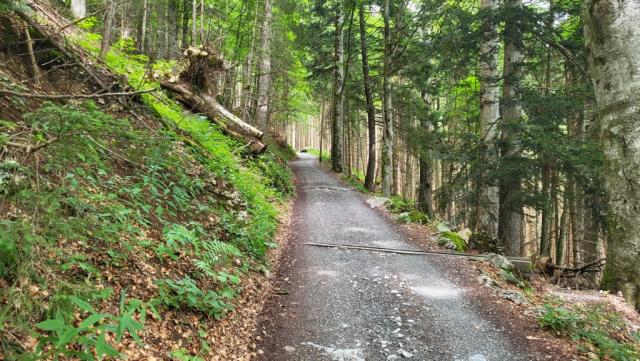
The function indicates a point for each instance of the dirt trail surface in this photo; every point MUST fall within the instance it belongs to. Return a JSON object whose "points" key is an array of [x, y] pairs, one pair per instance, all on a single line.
{"points": [[352, 305]]}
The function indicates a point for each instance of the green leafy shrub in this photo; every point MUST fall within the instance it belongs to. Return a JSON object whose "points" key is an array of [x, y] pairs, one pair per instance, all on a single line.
{"points": [[455, 238], [596, 326], [185, 293], [276, 173], [65, 338]]}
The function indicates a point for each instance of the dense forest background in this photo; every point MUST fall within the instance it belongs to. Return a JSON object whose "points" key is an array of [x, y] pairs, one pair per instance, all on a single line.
{"points": [[480, 112]]}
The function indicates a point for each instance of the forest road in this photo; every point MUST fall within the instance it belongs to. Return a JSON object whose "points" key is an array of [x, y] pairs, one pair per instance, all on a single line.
{"points": [[351, 305]]}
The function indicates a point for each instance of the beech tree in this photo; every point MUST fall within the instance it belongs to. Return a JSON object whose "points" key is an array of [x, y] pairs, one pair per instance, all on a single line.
{"points": [[612, 38]]}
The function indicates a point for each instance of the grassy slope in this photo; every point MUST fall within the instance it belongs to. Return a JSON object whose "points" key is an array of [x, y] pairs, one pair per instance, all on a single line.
{"points": [[122, 226]]}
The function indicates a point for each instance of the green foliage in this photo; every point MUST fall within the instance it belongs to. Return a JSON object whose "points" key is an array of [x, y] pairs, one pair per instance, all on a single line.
{"points": [[406, 211], [185, 293], [183, 355], [597, 327], [88, 23], [455, 238], [276, 173], [65, 337]]}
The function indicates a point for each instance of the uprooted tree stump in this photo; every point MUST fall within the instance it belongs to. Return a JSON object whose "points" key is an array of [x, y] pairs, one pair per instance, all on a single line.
{"points": [[197, 87]]}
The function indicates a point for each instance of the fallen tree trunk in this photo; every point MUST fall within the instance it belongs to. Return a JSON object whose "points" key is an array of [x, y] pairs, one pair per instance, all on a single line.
{"points": [[209, 106]]}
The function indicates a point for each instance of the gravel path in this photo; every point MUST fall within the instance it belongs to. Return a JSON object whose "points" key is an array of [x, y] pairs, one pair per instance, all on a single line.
{"points": [[351, 305]]}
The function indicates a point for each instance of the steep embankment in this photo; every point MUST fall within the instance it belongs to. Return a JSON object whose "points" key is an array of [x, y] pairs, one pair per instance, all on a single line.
{"points": [[128, 226]]}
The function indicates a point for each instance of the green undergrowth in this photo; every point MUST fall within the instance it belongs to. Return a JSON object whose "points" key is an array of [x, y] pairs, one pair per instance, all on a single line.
{"points": [[326, 156], [600, 331], [139, 72], [406, 210], [109, 220]]}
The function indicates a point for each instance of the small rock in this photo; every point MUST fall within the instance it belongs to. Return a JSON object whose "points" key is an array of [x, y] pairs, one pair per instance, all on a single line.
{"points": [[513, 296], [392, 357], [477, 357], [290, 349], [405, 354]]}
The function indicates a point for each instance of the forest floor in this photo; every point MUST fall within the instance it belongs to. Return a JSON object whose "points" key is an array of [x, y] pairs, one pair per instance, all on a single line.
{"points": [[340, 304]]}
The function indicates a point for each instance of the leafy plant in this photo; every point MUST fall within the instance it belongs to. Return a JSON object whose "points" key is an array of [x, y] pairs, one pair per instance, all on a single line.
{"points": [[185, 293], [66, 338], [595, 326]]}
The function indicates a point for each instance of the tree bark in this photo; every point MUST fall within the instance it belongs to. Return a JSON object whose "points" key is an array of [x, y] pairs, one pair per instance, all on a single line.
{"points": [[337, 121], [143, 26], [369, 181], [612, 37], [486, 214], [79, 8], [511, 217], [264, 82], [387, 139], [105, 44], [207, 104]]}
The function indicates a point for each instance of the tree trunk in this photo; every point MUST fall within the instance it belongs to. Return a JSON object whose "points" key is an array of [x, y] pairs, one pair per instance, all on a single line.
{"points": [[194, 22], [486, 213], [545, 240], [321, 128], [106, 32], [387, 139], [264, 82], [143, 26], [510, 219], [612, 37], [369, 181], [79, 8], [337, 122]]}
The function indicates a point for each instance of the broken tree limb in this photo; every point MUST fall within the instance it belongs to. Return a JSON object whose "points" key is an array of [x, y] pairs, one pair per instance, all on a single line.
{"points": [[209, 106], [521, 263], [69, 51]]}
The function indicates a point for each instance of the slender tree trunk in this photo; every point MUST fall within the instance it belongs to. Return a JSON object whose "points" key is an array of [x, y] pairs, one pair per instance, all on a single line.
{"points": [[143, 26], [545, 240], [561, 243], [194, 22], [612, 39], [486, 217], [79, 8], [202, 18], [338, 93], [105, 44], [264, 82], [33, 62], [185, 24], [369, 181], [174, 29], [510, 220], [425, 185], [387, 139], [321, 127]]}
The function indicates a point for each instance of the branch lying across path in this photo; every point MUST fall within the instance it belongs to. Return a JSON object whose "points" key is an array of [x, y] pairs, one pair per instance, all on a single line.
{"points": [[522, 263], [75, 96]]}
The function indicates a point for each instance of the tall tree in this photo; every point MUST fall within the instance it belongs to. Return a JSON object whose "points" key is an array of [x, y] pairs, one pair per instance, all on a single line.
{"points": [[264, 81], [486, 212], [387, 139], [369, 181], [79, 8], [511, 217], [105, 44], [337, 121], [612, 37]]}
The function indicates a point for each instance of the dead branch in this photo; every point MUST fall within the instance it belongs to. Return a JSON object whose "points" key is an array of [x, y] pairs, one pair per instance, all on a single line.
{"points": [[54, 35], [75, 96], [32, 148]]}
